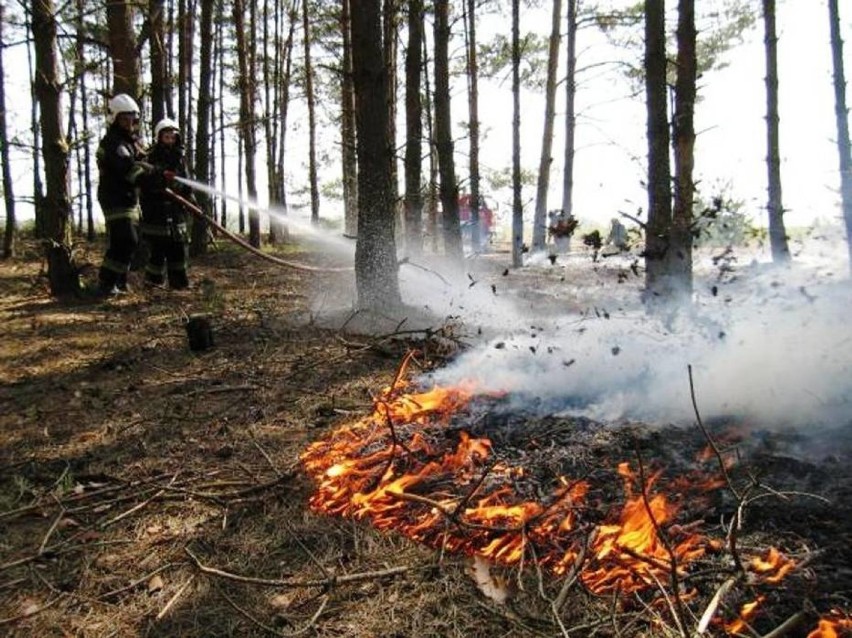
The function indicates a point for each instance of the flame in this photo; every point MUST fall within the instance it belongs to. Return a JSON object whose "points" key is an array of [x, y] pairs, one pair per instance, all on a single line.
{"points": [[774, 567], [747, 613], [401, 468], [834, 625]]}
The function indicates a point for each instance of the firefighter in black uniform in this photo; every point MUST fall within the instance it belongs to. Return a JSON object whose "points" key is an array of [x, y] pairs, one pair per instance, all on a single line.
{"points": [[163, 218], [119, 164]]}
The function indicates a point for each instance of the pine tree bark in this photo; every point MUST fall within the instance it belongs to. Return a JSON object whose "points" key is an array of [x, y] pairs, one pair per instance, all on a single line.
{"points": [[844, 148], [201, 168], [284, 99], [122, 46], [683, 131], [38, 185], [517, 206], [247, 123], [413, 130], [349, 161], [159, 76], [86, 172], [57, 206], [449, 190], [376, 276], [390, 28], [473, 117], [10, 231], [570, 110], [775, 206], [659, 171], [432, 197], [312, 116], [546, 159], [219, 106], [186, 54]]}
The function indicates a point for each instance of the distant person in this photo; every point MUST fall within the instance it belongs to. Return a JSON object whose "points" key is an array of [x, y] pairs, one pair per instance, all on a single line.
{"points": [[617, 235], [120, 166], [164, 218]]}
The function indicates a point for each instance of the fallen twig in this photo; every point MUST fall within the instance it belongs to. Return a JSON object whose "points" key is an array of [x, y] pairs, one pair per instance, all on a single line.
{"points": [[137, 582], [313, 619], [713, 605], [296, 584], [787, 626], [174, 598]]}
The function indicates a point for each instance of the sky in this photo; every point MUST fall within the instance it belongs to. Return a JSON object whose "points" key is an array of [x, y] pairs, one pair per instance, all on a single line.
{"points": [[730, 149], [729, 118]]}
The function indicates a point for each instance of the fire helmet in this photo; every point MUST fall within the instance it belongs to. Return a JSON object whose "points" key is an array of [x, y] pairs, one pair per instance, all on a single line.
{"points": [[166, 124], [122, 103]]}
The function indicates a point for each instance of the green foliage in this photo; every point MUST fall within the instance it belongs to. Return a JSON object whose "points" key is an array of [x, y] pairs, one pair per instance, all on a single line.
{"points": [[721, 25], [495, 59], [500, 179]]}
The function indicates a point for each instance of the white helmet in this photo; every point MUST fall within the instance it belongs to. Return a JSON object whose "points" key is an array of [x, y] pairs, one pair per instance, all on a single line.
{"points": [[165, 124], [122, 103]]}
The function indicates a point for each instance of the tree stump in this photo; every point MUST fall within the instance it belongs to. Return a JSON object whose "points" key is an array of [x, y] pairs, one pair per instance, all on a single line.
{"points": [[199, 332]]}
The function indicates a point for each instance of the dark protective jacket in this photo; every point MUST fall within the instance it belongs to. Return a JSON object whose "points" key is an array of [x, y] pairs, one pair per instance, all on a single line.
{"points": [[118, 156], [159, 211]]}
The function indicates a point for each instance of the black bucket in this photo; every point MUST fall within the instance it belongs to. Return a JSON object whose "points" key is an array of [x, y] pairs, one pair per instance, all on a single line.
{"points": [[199, 332]]}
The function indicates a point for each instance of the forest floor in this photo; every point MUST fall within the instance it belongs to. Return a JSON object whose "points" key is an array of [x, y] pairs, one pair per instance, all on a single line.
{"points": [[149, 490]]}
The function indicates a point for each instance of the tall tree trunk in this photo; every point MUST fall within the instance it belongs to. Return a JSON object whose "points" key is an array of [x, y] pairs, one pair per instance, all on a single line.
{"points": [[202, 130], [284, 100], [432, 198], [413, 130], [247, 122], [546, 159], [444, 136], [473, 116], [57, 210], [38, 186], [312, 117], [376, 276], [219, 105], [349, 159], [8, 192], [390, 13], [517, 206], [570, 114], [159, 77], [683, 130], [775, 206], [844, 148], [122, 45], [186, 30], [84, 108], [659, 171]]}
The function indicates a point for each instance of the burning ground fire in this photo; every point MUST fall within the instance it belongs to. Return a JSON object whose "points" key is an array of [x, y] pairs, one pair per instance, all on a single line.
{"points": [[402, 468]]}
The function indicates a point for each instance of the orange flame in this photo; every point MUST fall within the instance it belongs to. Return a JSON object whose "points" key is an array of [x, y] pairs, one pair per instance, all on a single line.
{"points": [[833, 625], [774, 567], [393, 468], [747, 613]]}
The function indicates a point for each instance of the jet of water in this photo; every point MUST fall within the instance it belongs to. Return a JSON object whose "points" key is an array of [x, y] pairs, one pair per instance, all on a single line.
{"points": [[327, 237]]}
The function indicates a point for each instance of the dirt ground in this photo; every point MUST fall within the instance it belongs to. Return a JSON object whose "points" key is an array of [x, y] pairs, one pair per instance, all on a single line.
{"points": [[148, 490]]}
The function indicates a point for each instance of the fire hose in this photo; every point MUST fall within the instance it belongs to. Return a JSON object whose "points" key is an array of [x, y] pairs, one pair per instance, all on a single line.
{"points": [[196, 212]]}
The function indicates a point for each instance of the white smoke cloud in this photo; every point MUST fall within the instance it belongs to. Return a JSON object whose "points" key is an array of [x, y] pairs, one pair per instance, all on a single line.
{"points": [[773, 345]]}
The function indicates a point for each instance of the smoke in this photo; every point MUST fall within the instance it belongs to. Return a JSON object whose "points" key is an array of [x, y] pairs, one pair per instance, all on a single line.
{"points": [[773, 345]]}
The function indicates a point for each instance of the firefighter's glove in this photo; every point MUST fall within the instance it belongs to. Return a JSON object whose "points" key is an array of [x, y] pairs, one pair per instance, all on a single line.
{"points": [[169, 177]]}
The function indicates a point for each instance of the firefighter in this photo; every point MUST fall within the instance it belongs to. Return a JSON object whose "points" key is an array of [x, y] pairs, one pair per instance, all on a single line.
{"points": [[120, 166], [163, 218]]}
